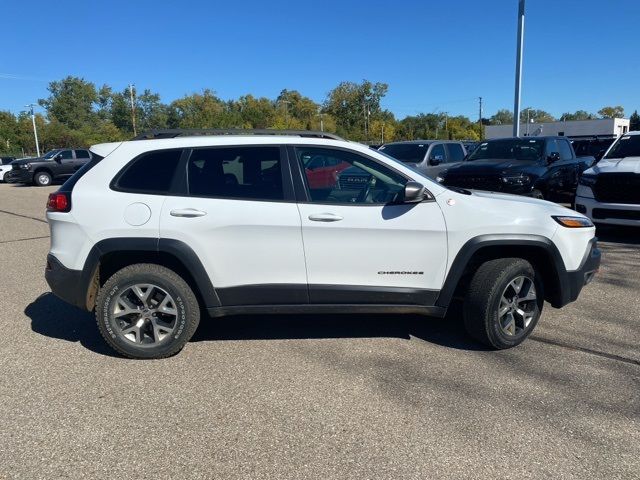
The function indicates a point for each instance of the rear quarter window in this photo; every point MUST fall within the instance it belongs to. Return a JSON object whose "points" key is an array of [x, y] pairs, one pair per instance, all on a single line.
{"points": [[151, 172]]}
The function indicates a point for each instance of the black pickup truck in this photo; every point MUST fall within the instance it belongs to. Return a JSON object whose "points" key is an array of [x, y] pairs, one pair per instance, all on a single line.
{"points": [[54, 165], [541, 167]]}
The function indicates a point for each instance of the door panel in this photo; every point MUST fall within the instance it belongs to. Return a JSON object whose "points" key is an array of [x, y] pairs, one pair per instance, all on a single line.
{"points": [[237, 218], [240, 243], [378, 245], [361, 244]]}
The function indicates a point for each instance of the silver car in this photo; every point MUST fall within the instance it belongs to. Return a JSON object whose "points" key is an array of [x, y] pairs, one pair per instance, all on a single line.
{"points": [[428, 156]]}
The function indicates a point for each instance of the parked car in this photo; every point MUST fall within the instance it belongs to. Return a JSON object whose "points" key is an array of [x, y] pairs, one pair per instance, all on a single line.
{"points": [[609, 193], [322, 170], [428, 156], [470, 146], [150, 233], [592, 146], [540, 167], [5, 166], [54, 165]]}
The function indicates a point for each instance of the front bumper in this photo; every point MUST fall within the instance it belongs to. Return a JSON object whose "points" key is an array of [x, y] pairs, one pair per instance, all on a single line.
{"points": [[19, 176], [65, 283], [576, 279], [609, 213]]}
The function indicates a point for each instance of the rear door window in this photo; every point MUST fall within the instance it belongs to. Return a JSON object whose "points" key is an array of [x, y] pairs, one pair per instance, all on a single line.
{"points": [[250, 173], [80, 154], [151, 172], [456, 152]]}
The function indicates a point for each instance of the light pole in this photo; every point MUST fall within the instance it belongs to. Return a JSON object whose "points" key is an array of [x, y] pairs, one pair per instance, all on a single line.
{"points": [[133, 109], [528, 110], [516, 103], [35, 129]]}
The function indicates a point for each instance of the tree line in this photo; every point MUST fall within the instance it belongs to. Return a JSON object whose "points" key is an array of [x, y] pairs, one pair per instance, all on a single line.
{"points": [[79, 114]]}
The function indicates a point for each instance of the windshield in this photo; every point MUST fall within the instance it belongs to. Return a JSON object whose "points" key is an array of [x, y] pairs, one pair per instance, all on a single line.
{"points": [[50, 153], [406, 152], [627, 146], [509, 149]]}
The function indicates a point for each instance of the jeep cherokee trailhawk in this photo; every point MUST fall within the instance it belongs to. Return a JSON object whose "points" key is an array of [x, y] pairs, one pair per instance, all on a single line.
{"points": [[153, 231]]}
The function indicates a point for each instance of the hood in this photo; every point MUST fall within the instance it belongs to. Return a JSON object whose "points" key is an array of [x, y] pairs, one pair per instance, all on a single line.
{"points": [[493, 165], [23, 161], [616, 165]]}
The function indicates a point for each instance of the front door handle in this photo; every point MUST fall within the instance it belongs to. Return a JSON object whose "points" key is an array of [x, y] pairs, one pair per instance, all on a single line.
{"points": [[187, 213], [325, 217]]}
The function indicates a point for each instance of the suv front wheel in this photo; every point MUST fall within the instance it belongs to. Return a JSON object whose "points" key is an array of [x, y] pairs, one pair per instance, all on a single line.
{"points": [[504, 302], [42, 179], [147, 311]]}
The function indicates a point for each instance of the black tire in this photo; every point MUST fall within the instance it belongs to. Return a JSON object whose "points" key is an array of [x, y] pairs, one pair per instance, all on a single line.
{"points": [[166, 281], [5, 176], [42, 179], [483, 302]]}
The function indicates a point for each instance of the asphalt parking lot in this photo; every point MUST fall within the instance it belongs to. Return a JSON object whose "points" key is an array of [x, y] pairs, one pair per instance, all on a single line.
{"points": [[316, 397]]}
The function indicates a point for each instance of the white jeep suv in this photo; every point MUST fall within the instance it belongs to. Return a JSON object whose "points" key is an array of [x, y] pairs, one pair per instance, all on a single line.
{"points": [[609, 192], [153, 231]]}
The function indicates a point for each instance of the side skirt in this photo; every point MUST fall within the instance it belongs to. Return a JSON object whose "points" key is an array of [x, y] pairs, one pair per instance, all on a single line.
{"points": [[439, 312]]}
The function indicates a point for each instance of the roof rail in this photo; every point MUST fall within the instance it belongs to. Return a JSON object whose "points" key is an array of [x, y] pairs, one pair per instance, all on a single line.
{"points": [[190, 132]]}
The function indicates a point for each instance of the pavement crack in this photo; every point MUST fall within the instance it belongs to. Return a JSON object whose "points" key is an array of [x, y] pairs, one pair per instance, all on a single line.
{"points": [[23, 239], [610, 356], [23, 216]]}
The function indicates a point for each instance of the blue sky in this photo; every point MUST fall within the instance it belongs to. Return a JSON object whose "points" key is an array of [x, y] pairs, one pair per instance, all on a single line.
{"points": [[436, 56]]}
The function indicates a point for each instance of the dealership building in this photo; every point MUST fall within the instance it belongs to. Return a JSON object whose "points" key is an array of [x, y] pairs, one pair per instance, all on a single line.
{"points": [[604, 127]]}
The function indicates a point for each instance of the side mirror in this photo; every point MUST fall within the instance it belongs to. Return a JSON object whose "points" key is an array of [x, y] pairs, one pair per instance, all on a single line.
{"points": [[414, 192], [58, 158], [436, 160], [553, 157]]}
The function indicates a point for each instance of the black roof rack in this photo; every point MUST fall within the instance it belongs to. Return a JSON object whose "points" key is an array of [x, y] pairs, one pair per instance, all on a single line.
{"points": [[191, 132]]}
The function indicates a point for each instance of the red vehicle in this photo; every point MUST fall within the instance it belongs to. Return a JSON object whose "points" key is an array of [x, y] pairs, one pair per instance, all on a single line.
{"points": [[322, 170]]}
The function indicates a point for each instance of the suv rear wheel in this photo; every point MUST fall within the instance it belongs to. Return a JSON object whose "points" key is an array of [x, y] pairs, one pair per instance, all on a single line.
{"points": [[504, 302], [147, 311], [42, 179]]}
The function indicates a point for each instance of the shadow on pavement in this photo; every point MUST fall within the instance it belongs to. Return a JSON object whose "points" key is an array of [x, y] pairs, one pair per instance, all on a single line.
{"points": [[628, 235], [54, 318], [448, 332]]}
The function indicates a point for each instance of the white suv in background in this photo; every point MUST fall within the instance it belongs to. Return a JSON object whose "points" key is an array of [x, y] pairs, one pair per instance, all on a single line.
{"points": [[609, 192], [153, 231]]}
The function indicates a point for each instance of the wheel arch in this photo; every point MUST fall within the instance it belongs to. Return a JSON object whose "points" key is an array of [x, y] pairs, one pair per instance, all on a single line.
{"points": [[537, 250], [110, 255]]}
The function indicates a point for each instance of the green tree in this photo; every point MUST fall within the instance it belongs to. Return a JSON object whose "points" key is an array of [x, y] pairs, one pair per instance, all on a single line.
{"points": [[611, 112], [634, 121], [203, 110], [71, 101], [537, 116], [502, 117], [354, 105], [578, 115]]}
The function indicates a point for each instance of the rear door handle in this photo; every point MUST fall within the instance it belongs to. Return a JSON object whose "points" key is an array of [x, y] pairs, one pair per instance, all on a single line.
{"points": [[187, 213], [325, 217]]}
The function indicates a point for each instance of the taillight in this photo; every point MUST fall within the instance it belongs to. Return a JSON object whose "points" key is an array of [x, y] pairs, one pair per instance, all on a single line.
{"points": [[59, 202]]}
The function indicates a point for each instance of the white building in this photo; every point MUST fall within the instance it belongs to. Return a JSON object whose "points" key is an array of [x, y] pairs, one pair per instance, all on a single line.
{"points": [[574, 128]]}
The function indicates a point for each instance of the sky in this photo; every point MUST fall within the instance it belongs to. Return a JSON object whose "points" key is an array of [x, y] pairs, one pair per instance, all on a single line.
{"points": [[436, 55]]}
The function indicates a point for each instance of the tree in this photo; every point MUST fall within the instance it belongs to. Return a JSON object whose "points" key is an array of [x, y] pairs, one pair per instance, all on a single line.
{"points": [[634, 121], [578, 115], [537, 116], [203, 110], [71, 102], [502, 117], [611, 112], [354, 105]]}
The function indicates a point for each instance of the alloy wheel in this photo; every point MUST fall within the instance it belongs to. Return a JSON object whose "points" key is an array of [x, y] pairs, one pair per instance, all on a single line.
{"points": [[144, 314], [518, 306]]}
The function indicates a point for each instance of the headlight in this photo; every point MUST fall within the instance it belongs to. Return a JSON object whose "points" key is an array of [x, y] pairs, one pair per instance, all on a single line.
{"points": [[588, 180], [573, 222], [517, 180], [25, 166]]}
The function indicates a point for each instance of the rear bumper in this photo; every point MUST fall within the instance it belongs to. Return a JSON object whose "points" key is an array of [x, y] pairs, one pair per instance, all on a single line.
{"points": [[576, 279], [19, 176], [65, 283]]}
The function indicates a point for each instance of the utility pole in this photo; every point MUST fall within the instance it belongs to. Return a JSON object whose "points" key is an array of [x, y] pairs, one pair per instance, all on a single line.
{"points": [[520, 45], [528, 110], [286, 111], [321, 120], [480, 118], [35, 130], [382, 137], [133, 109]]}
